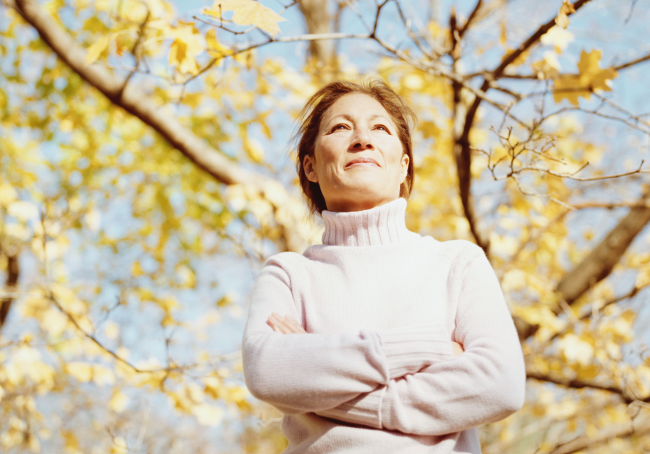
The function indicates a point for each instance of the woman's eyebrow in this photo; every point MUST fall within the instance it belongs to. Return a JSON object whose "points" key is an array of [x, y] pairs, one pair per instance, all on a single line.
{"points": [[349, 118]]}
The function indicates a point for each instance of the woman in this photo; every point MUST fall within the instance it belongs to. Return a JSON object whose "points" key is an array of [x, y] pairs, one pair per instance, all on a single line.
{"points": [[358, 340]]}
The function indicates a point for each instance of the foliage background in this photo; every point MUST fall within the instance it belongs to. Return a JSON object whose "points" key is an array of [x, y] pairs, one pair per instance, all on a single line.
{"points": [[146, 173]]}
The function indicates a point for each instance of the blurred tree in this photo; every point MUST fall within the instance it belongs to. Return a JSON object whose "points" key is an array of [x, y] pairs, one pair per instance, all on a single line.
{"points": [[139, 144]]}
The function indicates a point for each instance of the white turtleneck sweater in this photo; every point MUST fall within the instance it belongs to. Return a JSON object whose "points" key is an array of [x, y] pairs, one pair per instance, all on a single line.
{"points": [[375, 372]]}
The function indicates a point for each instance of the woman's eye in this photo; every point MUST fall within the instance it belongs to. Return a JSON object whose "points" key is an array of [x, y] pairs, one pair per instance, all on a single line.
{"points": [[382, 127], [337, 127]]}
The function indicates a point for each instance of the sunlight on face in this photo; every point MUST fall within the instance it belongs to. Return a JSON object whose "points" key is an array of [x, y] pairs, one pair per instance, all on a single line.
{"points": [[359, 161]]}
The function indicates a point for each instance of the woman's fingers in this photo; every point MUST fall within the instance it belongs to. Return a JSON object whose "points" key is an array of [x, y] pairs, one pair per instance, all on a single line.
{"points": [[295, 325], [278, 324], [285, 325], [279, 327]]}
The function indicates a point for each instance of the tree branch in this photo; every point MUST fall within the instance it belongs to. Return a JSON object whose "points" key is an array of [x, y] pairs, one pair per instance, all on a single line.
{"points": [[523, 47], [318, 21], [130, 99], [589, 312], [632, 63], [599, 263], [462, 143], [604, 435], [581, 384], [13, 273], [471, 17]]}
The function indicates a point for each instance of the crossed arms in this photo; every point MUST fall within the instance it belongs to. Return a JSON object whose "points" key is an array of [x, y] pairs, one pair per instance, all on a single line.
{"points": [[404, 379]]}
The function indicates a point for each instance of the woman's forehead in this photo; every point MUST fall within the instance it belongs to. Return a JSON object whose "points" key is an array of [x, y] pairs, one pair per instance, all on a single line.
{"points": [[354, 106]]}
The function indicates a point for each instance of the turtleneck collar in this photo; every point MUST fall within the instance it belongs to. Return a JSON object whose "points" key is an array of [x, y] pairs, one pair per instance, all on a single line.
{"points": [[381, 225]]}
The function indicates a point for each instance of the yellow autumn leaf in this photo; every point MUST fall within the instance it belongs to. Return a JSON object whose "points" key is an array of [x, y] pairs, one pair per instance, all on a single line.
{"points": [[187, 44], [96, 49], [562, 18], [576, 349], [119, 446], [429, 129], [23, 210], [7, 194], [180, 57], [93, 220], [213, 387], [521, 58], [186, 276], [254, 150], [643, 276], [592, 74], [557, 37], [81, 371], [413, 82], [502, 36], [215, 49], [208, 415], [548, 67], [248, 12], [591, 77], [71, 443], [589, 372], [111, 330], [226, 300], [136, 269], [118, 401], [102, 375]]}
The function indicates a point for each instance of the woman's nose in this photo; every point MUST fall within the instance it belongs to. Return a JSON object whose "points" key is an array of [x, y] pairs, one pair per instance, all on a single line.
{"points": [[362, 140]]}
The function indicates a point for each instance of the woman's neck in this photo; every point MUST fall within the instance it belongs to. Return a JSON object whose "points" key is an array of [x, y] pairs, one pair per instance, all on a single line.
{"points": [[380, 225]]}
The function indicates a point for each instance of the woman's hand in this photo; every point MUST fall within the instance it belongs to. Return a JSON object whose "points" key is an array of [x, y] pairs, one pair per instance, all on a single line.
{"points": [[285, 325]]}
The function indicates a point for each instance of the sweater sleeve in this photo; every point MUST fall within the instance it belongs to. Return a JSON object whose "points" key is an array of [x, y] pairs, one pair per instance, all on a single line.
{"points": [[484, 384], [299, 373]]}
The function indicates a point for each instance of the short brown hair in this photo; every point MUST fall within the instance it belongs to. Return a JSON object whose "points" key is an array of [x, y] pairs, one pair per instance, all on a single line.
{"points": [[312, 113]]}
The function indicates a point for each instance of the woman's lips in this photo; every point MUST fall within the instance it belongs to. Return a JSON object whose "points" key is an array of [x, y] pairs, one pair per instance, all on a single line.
{"points": [[362, 164]]}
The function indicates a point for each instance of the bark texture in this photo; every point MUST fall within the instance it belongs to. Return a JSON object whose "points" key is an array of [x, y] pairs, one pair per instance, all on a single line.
{"points": [[318, 20]]}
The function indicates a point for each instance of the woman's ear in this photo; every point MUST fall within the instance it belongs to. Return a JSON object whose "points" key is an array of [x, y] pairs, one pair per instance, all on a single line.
{"points": [[405, 167], [308, 166]]}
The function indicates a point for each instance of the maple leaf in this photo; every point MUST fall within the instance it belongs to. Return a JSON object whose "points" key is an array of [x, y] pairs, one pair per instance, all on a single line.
{"points": [[591, 72], [557, 37], [248, 12], [547, 68], [562, 18], [97, 48], [591, 77], [214, 48], [186, 46]]}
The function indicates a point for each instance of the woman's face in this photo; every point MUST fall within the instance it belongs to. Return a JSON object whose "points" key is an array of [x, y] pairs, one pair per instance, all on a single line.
{"points": [[359, 161]]}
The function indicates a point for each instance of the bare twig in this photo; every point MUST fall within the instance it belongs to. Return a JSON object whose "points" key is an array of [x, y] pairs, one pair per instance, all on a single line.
{"points": [[135, 51], [572, 177], [629, 15], [471, 17]]}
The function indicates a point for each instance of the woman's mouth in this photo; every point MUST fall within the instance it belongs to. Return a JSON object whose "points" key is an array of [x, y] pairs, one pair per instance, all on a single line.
{"points": [[362, 163]]}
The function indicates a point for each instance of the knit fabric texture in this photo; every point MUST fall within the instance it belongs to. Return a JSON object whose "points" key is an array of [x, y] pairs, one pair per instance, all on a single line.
{"points": [[375, 372]]}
